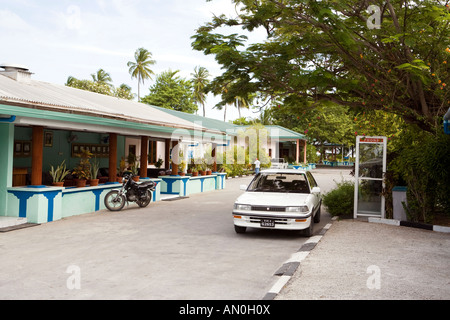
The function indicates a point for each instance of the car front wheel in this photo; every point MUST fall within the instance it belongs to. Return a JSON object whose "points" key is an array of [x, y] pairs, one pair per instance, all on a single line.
{"points": [[317, 216], [310, 230]]}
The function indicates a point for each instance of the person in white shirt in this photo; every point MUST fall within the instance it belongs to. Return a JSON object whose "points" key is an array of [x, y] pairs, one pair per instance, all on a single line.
{"points": [[257, 166]]}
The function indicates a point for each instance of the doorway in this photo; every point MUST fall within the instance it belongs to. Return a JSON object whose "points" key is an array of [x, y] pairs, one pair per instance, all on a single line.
{"points": [[370, 167]]}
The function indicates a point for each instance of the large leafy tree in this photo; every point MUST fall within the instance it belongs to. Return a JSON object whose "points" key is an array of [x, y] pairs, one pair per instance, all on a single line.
{"points": [[327, 51], [171, 92], [200, 81], [140, 68], [325, 123]]}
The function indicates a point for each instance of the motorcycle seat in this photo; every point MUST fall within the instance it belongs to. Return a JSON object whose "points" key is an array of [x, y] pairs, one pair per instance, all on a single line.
{"points": [[146, 184]]}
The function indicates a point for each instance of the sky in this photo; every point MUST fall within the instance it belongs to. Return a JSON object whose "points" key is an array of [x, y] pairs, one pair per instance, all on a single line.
{"points": [[58, 39]]}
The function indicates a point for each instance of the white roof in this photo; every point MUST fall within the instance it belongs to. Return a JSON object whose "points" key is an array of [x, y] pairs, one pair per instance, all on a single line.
{"points": [[60, 98]]}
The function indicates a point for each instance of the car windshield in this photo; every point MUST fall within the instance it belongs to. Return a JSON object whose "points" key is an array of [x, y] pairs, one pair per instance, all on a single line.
{"points": [[280, 182]]}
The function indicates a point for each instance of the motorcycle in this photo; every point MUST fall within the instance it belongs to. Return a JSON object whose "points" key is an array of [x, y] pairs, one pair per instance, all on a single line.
{"points": [[131, 191]]}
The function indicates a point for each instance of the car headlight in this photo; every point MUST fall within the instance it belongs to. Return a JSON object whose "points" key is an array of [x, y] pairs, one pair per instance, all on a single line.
{"points": [[242, 207], [301, 209]]}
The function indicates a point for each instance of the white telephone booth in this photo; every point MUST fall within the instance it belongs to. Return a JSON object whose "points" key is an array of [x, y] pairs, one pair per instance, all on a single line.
{"points": [[370, 167]]}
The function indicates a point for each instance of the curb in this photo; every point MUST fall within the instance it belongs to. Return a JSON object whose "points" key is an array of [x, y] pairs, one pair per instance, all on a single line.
{"points": [[418, 225], [18, 227], [290, 266], [243, 176]]}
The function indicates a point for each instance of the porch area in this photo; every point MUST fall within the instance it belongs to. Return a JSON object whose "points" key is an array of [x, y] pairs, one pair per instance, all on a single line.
{"points": [[44, 125]]}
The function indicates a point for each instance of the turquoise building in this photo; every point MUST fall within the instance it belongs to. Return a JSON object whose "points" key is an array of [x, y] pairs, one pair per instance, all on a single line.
{"points": [[44, 124]]}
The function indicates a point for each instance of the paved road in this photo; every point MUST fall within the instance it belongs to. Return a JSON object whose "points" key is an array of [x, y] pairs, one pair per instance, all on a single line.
{"points": [[357, 260], [184, 249]]}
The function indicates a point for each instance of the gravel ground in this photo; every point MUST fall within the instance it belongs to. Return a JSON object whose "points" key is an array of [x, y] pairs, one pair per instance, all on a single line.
{"points": [[362, 260]]}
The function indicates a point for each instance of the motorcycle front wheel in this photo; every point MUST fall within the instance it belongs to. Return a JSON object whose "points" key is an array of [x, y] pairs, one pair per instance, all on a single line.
{"points": [[114, 201], [145, 201]]}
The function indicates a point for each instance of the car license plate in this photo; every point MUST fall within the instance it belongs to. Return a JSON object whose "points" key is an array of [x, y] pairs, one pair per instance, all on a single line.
{"points": [[269, 223]]}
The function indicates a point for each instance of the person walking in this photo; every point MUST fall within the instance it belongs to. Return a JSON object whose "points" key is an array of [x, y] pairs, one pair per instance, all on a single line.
{"points": [[257, 166]]}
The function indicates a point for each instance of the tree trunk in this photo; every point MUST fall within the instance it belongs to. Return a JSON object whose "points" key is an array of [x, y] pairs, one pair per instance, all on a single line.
{"points": [[139, 92]]}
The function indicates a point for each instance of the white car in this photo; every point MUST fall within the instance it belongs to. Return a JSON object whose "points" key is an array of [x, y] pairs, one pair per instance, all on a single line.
{"points": [[286, 199], [278, 163]]}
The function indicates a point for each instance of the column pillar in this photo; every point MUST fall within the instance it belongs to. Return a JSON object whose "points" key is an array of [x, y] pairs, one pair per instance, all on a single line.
{"points": [[175, 158], [167, 154], [213, 154], [304, 152], [6, 163], [37, 150], [144, 157], [297, 153], [112, 157]]}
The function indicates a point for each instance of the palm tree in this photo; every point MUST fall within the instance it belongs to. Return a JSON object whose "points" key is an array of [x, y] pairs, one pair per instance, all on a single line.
{"points": [[222, 90], [200, 81], [102, 77], [242, 102], [141, 68], [70, 81], [265, 117]]}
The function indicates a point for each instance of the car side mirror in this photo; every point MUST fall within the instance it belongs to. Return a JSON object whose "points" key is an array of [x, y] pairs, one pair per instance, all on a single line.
{"points": [[315, 190], [243, 187]]}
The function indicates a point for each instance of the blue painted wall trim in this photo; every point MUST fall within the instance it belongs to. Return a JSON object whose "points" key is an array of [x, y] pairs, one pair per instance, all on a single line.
{"points": [[23, 196], [9, 120], [169, 185], [51, 195], [97, 193]]}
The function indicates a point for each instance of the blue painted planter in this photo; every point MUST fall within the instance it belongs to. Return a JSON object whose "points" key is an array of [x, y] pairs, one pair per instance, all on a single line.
{"points": [[46, 204]]}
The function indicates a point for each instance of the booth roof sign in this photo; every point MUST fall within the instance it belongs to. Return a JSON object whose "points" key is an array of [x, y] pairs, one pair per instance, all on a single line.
{"points": [[371, 140]]}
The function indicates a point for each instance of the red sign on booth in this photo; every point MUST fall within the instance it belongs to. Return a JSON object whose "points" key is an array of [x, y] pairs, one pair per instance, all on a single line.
{"points": [[371, 140]]}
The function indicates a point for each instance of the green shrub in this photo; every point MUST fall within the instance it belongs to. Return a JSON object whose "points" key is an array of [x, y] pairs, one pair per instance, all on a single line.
{"points": [[339, 201], [422, 160]]}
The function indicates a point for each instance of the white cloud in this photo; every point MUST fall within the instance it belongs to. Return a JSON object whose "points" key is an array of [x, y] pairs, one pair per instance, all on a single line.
{"points": [[58, 38], [92, 49], [11, 21], [73, 17]]}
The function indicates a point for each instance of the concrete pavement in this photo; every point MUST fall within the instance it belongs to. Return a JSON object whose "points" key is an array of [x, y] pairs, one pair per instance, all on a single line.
{"points": [[362, 260], [127, 255], [171, 250]]}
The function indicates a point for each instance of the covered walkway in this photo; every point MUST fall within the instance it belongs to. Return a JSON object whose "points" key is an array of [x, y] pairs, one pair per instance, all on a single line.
{"points": [[43, 124]]}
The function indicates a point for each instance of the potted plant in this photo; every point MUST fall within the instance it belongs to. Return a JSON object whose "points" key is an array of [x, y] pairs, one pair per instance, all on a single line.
{"points": [[133, 165], [202, 167], [207, 162], [209, 169], [59, 174], [95, 167], [182, 167], [135, 171], [83, 170], [159, 163], [193, 168]]}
